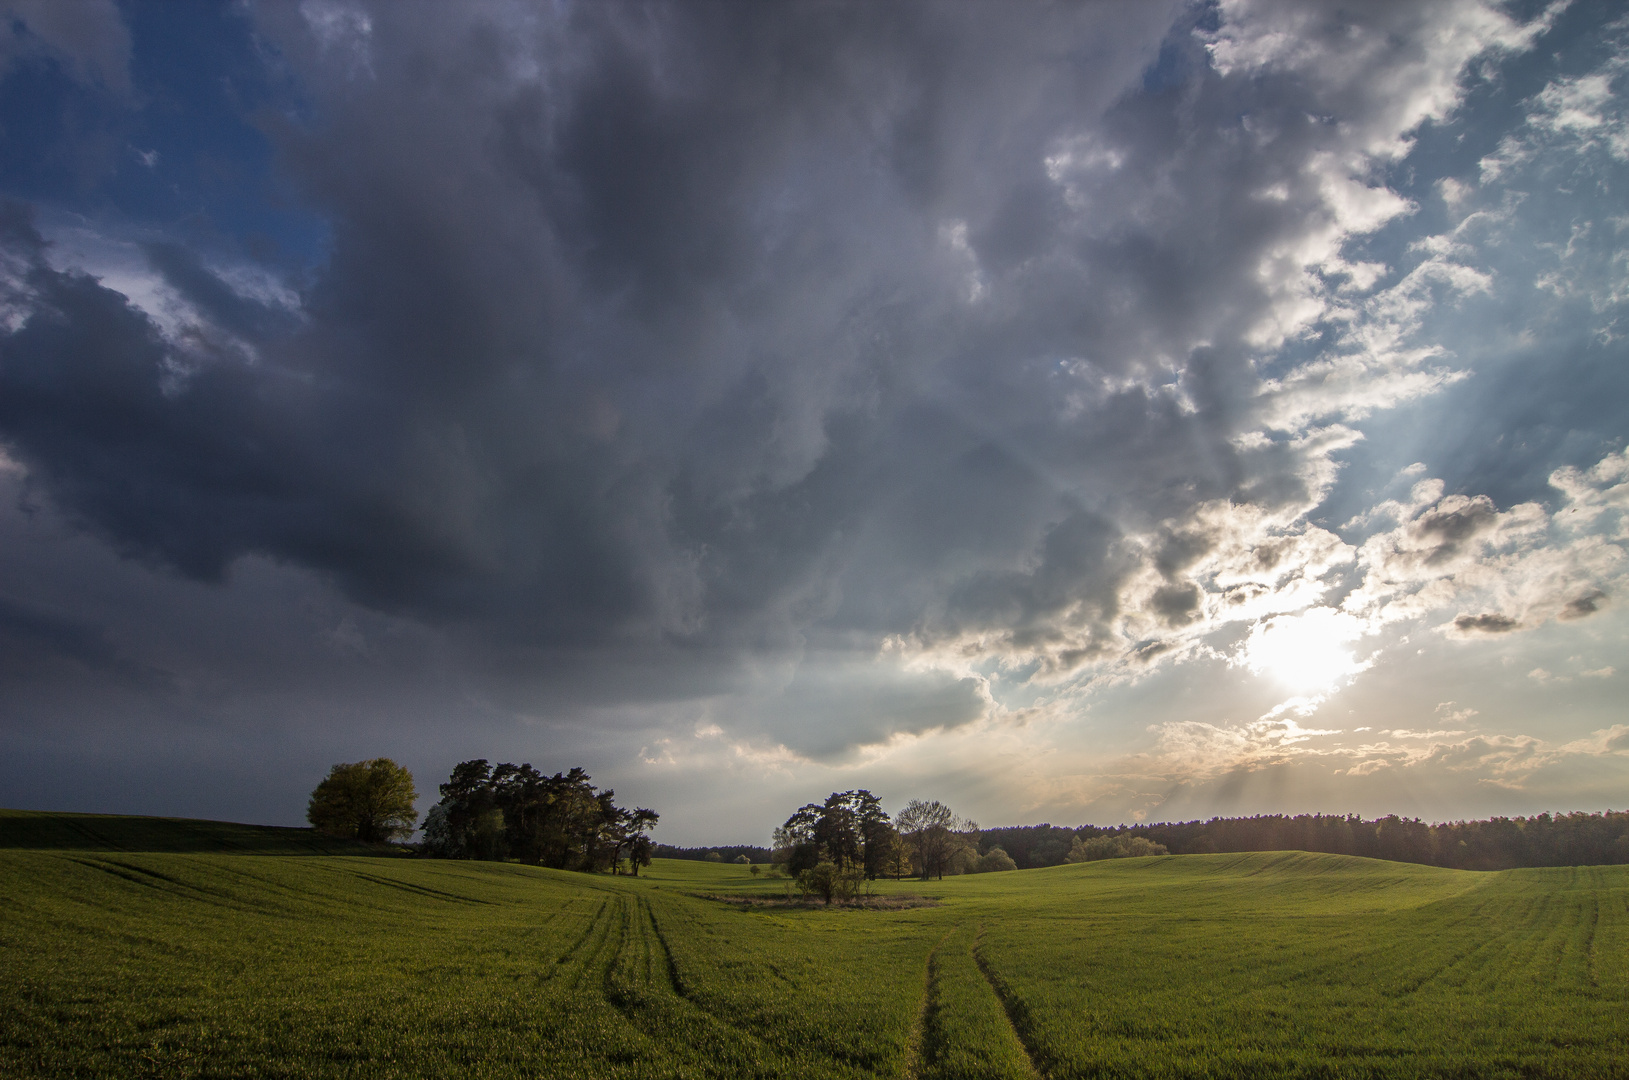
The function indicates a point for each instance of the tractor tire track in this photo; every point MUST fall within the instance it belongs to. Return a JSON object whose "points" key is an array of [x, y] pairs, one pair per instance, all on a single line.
{"points": [[421, 890], [1591, 959], [152, 879], [581, 952], [669, 966], [916, 1050], [1017, 1013], [1432, 966], [623, 998], [644, 985]]}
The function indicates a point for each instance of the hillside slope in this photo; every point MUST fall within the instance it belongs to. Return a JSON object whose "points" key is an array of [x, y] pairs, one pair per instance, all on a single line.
{"points": [[38, 830]]}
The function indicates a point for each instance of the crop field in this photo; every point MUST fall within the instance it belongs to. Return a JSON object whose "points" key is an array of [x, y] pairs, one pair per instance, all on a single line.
{"points": [[198, 963]]}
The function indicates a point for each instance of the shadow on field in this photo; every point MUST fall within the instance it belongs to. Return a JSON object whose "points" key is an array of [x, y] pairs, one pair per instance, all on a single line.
{"points": [[34, 830]]}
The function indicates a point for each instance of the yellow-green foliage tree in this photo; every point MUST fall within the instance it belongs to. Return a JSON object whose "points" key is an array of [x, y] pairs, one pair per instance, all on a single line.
{"points": [[368, 800], [1113, 847], [994, 860]]}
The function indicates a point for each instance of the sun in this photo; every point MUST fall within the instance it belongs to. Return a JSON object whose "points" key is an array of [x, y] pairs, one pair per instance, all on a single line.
{"points": [[1310, 653]]}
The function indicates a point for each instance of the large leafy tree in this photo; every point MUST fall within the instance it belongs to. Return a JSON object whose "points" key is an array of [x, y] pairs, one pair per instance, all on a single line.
{"points": [[369, 800], [850, 829], [632, 827]]}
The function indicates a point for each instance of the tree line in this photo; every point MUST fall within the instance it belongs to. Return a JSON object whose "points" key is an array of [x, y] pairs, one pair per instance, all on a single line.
{"points": [[730, 853], [831, 848], [563, 821], [1499, 843]]}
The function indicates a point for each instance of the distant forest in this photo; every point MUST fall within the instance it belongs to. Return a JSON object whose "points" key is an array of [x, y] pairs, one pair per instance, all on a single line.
{"points": [[727, 853], [1500, 843]]}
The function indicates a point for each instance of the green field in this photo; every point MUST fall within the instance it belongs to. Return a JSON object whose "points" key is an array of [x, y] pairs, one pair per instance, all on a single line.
{"points": [[119, 962]]}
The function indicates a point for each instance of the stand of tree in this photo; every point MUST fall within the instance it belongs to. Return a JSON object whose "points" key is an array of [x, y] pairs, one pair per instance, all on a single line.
{"points": [[514, 811], [850, 829], [832, 847], [1576, 839], [726, 853]]}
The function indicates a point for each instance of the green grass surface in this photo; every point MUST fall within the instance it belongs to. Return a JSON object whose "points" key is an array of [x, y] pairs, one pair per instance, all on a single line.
{"points": [[178, 964]]}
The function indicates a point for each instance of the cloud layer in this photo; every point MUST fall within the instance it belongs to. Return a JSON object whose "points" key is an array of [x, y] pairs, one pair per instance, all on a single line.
{"points": [[836, 379]]}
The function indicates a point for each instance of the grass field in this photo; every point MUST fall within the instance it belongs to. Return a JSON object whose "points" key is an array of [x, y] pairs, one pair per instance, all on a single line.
{"points": [[119, 962]]}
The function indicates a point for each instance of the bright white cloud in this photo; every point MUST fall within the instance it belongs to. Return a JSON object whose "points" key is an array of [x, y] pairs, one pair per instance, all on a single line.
{"points": [[1497, 571]]}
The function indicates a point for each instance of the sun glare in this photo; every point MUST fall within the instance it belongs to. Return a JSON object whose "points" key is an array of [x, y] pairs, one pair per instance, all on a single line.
{"points": [[1308, 653]]}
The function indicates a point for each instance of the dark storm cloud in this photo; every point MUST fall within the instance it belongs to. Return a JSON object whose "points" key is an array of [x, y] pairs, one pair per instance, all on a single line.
{"points": [[34, 639], [89, 35], [833, 704], [1061, 606], [177, 457], [597, 352], [213, 298]]}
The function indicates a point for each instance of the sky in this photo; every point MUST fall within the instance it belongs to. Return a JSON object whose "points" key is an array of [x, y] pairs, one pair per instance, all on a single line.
{"points": [[1073, 412]]}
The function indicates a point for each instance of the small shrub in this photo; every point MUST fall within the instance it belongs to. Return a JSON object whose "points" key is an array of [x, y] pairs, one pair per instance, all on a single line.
{"points": [[830, 882]]}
